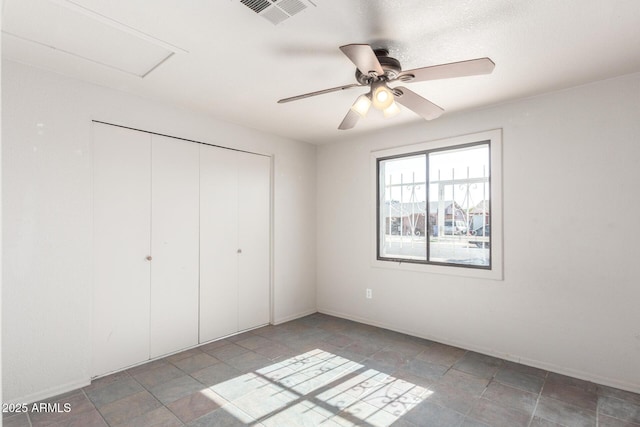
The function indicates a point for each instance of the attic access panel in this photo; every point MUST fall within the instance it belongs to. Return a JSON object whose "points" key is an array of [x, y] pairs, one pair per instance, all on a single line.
{"points": [[70, 29]]}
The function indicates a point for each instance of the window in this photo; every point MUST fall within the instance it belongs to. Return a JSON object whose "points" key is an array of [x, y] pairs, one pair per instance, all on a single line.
{"points": [[437, 204]]}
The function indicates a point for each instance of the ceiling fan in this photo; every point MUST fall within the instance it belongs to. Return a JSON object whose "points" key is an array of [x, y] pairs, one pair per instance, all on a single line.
{"points": [[376, 69]]}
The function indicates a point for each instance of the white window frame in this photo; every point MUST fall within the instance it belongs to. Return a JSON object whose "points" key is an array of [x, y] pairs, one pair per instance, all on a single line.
{"points": [[494, 137]]}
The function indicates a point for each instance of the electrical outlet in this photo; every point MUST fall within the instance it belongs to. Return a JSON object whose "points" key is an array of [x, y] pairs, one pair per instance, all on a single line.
{"points": [[369, 294]]}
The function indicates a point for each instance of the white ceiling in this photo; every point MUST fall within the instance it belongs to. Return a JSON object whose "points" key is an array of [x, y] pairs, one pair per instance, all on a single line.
{"points": [[222, 58]]}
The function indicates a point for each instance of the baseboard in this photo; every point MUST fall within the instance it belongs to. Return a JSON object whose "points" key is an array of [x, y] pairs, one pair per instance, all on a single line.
{"points": [[587, 376], [50, 392], [294, 316]]}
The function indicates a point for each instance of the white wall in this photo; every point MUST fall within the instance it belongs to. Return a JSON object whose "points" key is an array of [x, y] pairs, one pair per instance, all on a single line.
{"points": [[570, 297], [47, 242], [1, 397]]}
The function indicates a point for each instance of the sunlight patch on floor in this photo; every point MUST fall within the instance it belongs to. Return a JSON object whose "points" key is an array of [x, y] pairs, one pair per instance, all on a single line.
{"points": [[317, 386]]}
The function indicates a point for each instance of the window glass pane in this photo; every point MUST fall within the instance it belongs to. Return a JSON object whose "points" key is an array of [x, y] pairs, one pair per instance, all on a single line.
{"points": [[459, 206], [402, 208]]}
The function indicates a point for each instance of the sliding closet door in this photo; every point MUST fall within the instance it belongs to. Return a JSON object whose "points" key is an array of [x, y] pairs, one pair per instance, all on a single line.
{"points": [[253, 240], [218, 243], [174, 245], [121, 213]]}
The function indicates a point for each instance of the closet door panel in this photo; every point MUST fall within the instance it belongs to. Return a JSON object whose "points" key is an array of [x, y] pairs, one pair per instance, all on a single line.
{"points": [[253, 239], [218, 243], [174, 245], [121, 215]]}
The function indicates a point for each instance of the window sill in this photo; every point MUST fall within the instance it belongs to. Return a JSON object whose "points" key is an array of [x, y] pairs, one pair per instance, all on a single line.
{"points": [[476, 273]]}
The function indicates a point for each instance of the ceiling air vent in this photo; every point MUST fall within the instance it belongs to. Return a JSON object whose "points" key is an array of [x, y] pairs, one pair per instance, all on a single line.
{"points": [[292, 6], [256, 5], [276, 11], [274, 15]]}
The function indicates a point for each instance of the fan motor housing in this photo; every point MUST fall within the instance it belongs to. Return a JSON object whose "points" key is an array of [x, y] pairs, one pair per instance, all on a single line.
{"points": [[391, 67]]}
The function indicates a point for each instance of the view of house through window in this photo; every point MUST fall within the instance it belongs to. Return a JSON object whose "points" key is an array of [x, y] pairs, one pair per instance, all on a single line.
{"points": [[435, 207]]}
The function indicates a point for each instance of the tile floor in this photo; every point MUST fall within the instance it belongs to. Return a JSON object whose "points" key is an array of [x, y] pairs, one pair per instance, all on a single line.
{"points": [[325, 371]]}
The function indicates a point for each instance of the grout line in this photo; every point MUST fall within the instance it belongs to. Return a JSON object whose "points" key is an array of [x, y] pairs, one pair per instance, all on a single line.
{"points": [[597, 407], [94, 405], [535, 407]]}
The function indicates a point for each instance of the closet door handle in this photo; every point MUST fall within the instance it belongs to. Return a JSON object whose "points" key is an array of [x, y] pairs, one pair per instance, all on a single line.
{"points": [[239, 251], [149, 258]]}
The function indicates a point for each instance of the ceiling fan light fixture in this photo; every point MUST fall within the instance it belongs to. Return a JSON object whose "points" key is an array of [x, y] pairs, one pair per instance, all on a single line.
{"points": [[362, 105], [391, 110], [382, 97]]}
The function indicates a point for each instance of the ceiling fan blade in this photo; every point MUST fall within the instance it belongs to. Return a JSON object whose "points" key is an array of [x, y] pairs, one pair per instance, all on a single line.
{"points": [[319, 92], [422, 107], [363, 57], [471, 67], [349, 120]]}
